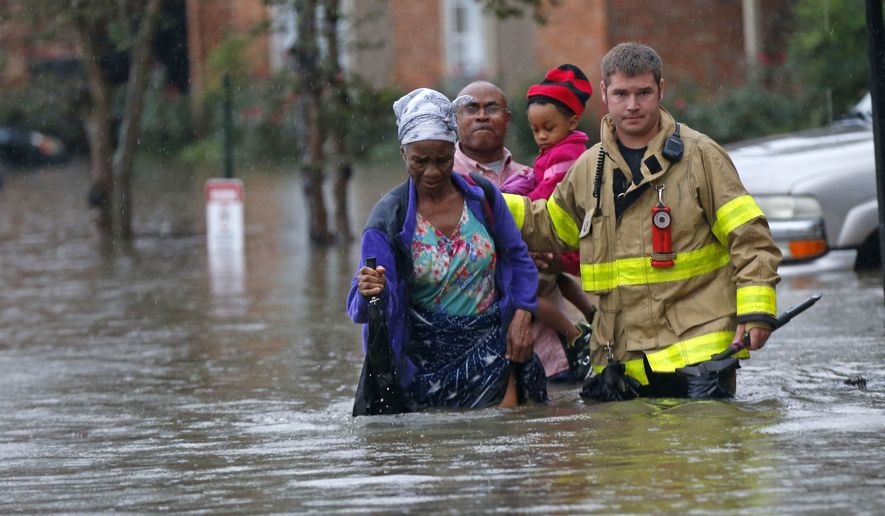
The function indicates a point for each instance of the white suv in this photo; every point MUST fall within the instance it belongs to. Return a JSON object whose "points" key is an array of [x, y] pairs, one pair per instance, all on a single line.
{"points": [[818, 190]]}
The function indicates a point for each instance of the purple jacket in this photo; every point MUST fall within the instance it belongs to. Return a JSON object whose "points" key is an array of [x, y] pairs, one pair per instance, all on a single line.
{"points": [[516, 277]]}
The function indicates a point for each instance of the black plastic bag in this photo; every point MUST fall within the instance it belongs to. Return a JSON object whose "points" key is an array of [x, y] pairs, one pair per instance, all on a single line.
{"points": [[378, 391], [612, 384]]}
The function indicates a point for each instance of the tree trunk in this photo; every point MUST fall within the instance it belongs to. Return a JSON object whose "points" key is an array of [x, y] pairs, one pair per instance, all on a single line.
{"points": [[307, 67], [342, 213], [99, 123], [110, 191], [340, 102], [127, 141]]}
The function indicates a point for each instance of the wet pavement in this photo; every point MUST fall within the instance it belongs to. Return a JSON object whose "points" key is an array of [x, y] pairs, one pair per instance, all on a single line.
{"points": [[145, 378]]}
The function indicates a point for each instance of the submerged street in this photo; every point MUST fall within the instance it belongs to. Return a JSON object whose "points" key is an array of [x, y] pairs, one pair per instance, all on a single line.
{"points": [[152, 378]]}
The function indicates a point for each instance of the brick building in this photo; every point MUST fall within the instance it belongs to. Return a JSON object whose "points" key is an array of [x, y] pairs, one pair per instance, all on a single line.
{"points": [[446, 43]]}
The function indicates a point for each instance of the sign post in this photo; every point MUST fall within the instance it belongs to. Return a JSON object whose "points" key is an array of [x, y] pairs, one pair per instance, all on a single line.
{"points": [[225, 235]]}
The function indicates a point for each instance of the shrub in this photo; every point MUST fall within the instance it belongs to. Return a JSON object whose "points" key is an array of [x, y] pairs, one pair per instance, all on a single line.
{"points": [[748, 111], [266, 127], [49, 103]]}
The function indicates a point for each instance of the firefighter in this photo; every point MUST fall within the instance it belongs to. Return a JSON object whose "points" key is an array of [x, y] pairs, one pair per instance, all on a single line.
{"points": [[680, 255]]}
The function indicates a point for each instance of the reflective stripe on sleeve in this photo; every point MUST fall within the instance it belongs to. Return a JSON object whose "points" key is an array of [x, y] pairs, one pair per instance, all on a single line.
{"points": [[563, 224], [516, 205], [692, 351], [639, 271], [734, 214], [756, 299]]}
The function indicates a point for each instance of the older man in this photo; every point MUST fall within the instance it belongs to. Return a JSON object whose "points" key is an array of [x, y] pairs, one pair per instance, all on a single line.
{"points": [[482, 126]]}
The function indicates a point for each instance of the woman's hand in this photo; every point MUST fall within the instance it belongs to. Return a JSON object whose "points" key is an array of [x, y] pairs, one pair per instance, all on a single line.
{"points": [[370, 282], [520, 341]]}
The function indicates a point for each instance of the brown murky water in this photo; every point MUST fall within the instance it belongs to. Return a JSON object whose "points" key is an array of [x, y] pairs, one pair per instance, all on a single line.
{"points": [[142, 379]]}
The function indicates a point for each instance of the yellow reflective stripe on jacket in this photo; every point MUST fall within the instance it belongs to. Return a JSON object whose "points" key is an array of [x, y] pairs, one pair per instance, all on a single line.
{"points": [[756, 299], [734, 214], [639, 271], [632, 368], [692, 351], [563, 224], [516, 205]]}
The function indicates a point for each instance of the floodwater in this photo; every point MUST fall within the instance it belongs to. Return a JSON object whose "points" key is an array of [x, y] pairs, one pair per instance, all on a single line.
{"points": [[149, 378]]}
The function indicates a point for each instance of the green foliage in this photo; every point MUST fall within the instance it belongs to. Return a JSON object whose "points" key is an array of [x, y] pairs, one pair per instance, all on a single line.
{"points": [[828, 51], [826, 72], [369, 118], [166, 125], [48, 103], [230, 57], [266, 123], [745, 112], [263, 121]]}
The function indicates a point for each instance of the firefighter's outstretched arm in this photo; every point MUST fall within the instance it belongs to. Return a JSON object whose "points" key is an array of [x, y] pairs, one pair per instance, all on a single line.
{"points": [[554, 225]]}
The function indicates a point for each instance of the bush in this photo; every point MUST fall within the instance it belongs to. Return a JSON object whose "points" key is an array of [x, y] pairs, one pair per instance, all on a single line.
{"points": [[166, 126], [748, 111], [370, 121], [266, 127], [48, 103]]}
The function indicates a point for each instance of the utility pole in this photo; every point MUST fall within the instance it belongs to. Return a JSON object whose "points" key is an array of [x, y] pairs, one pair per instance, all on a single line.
{"points": [[228, 128], [876, 43]]}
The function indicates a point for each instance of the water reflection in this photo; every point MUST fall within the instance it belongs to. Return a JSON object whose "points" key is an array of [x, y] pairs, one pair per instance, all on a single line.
{"points": [[131, 382]]}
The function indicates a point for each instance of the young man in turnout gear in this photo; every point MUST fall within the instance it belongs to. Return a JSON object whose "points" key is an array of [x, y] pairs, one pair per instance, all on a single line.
{"points": [[680, 255]]}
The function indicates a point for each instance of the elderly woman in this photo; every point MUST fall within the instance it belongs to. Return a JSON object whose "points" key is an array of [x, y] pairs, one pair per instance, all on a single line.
{"points": [[456, 277]]}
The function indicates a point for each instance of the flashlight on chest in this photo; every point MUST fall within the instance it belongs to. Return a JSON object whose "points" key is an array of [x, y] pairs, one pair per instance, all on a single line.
{"points": [[661, 233]]}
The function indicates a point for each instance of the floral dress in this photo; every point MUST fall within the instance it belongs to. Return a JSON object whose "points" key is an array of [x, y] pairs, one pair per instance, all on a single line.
{"points": [[457, 340], [453, 274]]}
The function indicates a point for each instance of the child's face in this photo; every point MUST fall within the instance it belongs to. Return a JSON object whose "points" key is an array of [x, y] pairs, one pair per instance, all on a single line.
{"points": [[550, 125]]}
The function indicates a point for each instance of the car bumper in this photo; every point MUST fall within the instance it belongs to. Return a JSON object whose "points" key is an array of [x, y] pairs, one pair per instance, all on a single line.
{"points": [[836, 260]]}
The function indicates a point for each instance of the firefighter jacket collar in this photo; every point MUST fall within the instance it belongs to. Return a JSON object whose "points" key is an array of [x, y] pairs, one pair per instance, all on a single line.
{"points": [[654, 164]]}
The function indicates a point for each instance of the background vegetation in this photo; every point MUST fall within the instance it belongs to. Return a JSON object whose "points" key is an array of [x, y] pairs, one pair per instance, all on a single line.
{"points": [[821, 73]]}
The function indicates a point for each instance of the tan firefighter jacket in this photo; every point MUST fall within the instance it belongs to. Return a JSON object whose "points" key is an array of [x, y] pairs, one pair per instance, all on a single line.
{"points": [[725, 261]]}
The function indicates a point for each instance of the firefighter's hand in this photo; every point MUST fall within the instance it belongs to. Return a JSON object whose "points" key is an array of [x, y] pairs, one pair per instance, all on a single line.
{"points": [[758, 336], [547, 263], [370, 282], [520, 341]]}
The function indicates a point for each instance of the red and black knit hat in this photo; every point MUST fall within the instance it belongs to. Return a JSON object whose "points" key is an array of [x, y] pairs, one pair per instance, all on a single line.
{"points": [[565, 84]]}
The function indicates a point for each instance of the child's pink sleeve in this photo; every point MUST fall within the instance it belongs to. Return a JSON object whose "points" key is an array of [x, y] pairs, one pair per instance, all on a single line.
{"points": [[554, 163]]}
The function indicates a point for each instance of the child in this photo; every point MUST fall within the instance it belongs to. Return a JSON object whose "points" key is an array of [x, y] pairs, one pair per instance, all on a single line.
{"points": [[554, 107]]}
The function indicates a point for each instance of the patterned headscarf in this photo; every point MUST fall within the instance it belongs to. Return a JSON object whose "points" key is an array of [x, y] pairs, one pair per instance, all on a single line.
{"points": [[426, 114]]}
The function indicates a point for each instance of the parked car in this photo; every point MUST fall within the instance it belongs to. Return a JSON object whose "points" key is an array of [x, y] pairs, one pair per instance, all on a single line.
{"points": [[22, 147], [818, 191]]}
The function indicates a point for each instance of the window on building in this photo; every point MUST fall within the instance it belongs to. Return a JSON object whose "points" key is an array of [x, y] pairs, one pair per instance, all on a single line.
{"points": [[284, 34], [465, 39]]}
